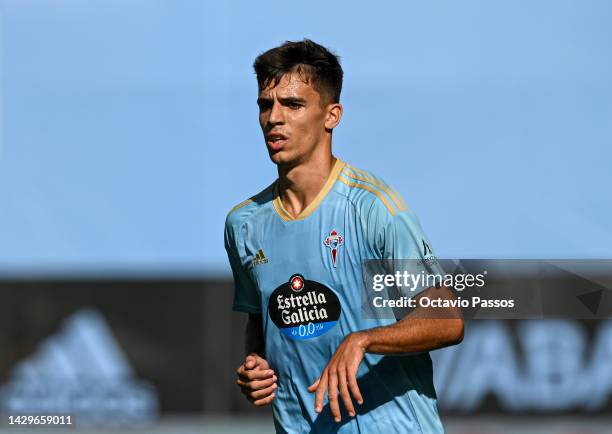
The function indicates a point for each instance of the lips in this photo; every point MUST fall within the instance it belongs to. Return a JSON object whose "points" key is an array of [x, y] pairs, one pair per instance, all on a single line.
{"points": [[276, 141]]}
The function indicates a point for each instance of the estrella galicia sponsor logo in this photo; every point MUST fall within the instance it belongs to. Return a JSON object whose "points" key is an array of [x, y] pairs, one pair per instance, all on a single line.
{"points": [[304, 309]]}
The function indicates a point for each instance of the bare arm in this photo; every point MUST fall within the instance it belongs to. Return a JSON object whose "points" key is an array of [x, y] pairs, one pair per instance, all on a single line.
{"points": [[253, 336], [424, 329]]}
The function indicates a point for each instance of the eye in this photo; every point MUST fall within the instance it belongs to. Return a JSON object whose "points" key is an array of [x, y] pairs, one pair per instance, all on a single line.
{"points": [[263, 106], [294, 105]]}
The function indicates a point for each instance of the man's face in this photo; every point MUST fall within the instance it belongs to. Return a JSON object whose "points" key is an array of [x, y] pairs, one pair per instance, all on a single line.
{"points": [[292, 119]]}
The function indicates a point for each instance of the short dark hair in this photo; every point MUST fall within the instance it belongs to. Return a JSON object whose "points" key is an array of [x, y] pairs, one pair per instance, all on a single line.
{"points": [[319, 66]]}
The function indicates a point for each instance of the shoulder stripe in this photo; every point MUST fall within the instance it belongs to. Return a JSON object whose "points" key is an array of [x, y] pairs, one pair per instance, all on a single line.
{"points": [[395, 197], [240, 205], [371, 190], [253, 198]]}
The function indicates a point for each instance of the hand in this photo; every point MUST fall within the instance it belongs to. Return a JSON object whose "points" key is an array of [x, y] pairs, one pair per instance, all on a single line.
{"points": [[256, 380], [341, 373]]}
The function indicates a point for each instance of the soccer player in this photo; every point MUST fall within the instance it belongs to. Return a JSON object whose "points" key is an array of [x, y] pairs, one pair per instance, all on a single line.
{"points": [[296, 251]]}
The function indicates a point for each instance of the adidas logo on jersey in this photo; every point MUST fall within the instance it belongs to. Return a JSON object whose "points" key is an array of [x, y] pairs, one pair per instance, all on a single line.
{"points": [[260, 258]]}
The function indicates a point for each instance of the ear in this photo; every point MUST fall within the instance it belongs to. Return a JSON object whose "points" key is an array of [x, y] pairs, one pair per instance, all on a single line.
{"points": [[333, 116]]}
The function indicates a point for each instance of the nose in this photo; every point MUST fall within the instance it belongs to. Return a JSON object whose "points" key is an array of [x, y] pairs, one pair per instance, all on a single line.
{"points": [[276, 114]]}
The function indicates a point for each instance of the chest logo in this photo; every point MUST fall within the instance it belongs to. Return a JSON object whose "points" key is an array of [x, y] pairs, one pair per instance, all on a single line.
{"points": [[333, 241], [303, 309]]}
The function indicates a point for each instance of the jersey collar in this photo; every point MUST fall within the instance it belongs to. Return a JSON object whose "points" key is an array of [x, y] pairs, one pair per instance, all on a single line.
{"points": [[331, 180]]}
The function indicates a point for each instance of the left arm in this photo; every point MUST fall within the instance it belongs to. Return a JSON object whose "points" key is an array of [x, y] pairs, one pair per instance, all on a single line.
{"points": [[424, 329], [393, 236]]}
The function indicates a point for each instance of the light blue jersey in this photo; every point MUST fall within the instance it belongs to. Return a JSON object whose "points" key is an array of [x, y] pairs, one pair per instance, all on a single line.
{"points": [[304, 276]]}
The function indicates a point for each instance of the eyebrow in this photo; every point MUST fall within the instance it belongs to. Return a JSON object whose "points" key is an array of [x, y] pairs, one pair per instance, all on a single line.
{"points": [[287, 100], [292, 99]]}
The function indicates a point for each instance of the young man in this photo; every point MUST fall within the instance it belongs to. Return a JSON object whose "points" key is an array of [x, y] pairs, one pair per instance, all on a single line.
{"points": [[296, 251]]}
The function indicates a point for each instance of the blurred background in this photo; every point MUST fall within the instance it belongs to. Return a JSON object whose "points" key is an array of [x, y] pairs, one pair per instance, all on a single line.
{"points": [[129, 129]]}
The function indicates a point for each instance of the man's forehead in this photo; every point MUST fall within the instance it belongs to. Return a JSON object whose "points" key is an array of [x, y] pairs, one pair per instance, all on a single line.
{"points": [[292, 84]]}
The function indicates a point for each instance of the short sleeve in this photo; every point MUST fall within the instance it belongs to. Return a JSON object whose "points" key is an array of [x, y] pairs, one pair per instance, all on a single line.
{"points": [[246, 296], [404, 238], [404, 243]]}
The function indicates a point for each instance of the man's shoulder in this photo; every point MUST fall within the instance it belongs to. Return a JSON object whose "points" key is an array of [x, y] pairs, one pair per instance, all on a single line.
{"points": [[370, 193], [241, 212]]}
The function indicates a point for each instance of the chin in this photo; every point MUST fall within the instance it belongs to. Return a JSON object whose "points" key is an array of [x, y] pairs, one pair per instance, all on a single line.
{"points": [[280, 158]]}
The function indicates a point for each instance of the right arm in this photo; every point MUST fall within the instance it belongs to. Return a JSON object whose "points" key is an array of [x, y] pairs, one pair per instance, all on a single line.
{"points": [[253, 336], [255, 378]]}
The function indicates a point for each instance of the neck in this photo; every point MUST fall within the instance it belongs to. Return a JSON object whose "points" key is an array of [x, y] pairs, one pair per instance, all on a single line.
{"points": [[299, 185]]}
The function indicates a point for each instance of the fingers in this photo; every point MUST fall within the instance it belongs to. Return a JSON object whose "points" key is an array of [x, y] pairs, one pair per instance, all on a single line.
{"points": [[344, 379], [340, 375], [254, 374], [320, 392], [333, 394], [314, 385], [250, 362], [263, 393], [257, 384], [242, 369], [260, 396], [264, 401], [353, 386], [344, 392], [254, 361], [256, 380]]}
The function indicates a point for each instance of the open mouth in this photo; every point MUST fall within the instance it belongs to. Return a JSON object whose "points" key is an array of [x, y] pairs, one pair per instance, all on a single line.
{"points": [[275, 141]]}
